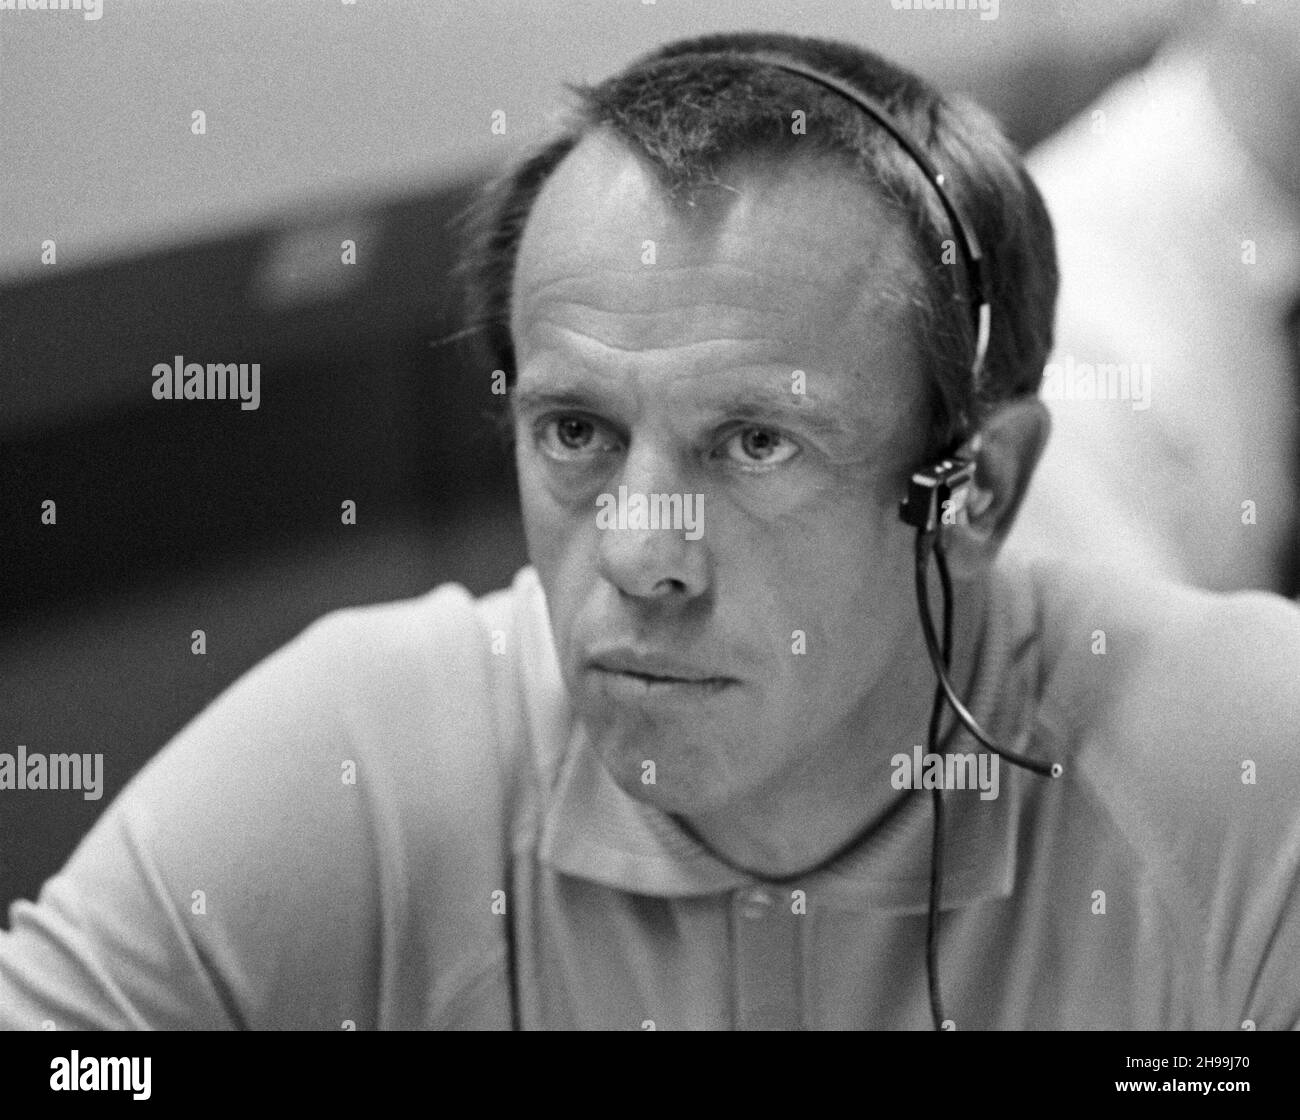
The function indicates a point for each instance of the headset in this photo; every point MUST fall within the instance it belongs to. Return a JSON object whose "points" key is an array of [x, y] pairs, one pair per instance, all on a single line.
{"points": [[937, 495]]}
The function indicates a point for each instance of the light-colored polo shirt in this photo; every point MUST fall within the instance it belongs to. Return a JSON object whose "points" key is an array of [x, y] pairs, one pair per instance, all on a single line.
{"points": [[394, 822]]}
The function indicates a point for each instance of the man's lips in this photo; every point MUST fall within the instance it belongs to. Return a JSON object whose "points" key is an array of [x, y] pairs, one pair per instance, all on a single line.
{"points": [[656, 668]]}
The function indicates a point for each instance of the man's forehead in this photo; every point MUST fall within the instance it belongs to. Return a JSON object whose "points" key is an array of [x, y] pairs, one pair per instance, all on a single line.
{"points": [[799, 252], [806, 219]]}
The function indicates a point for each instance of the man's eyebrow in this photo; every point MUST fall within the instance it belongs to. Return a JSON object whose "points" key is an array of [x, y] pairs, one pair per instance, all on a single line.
{"points": [[551, 396], [768, 407], [528, 399], [758, 405]]}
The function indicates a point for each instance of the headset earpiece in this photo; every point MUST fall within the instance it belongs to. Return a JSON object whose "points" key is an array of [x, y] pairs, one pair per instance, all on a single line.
{"points": [[937, 494]]}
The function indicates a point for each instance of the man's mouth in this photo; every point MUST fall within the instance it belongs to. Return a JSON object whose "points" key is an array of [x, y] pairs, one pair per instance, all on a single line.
{"points": [[636, 673]]}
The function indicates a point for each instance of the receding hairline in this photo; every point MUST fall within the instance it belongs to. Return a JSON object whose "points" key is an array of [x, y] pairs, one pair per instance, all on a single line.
{"points": [[858, 207], [759, 160]]}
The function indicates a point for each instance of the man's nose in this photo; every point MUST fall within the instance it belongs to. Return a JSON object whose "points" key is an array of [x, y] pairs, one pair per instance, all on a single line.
{"points": [[658, 562]]}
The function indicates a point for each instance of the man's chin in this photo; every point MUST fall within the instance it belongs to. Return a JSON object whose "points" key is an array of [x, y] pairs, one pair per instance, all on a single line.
{"points": [[659, 773], [667, 798]]}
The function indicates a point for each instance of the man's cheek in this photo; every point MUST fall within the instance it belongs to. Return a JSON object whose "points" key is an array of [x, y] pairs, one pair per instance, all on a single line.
{"points": [[564, 554], [548, 526]]}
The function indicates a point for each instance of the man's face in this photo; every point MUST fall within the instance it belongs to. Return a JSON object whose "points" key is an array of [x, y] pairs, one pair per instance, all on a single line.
{"points": [[735, 659]]}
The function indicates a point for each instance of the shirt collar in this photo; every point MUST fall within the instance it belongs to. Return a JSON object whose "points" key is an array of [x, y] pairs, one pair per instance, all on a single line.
{"points": [[593, 830]]}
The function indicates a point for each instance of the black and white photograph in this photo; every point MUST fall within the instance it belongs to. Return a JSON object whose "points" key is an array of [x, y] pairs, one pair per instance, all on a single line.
{"points": [[648, 515]]}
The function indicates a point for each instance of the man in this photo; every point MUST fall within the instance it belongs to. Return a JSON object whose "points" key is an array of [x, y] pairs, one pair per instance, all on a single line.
{"points": [[673, 777]]}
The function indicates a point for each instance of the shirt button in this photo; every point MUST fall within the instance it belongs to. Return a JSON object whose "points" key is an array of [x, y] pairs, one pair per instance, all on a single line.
{"points": [[755, 904]]}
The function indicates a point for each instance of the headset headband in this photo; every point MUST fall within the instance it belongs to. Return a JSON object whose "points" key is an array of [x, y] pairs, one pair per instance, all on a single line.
{"points": [[972, 258]]}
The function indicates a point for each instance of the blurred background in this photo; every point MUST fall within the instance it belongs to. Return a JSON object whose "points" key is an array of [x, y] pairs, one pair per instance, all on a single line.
{"points": [[325, 121]]}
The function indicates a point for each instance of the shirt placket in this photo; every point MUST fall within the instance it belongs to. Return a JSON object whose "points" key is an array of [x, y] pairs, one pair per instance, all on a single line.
{"points": [[767, 961]]}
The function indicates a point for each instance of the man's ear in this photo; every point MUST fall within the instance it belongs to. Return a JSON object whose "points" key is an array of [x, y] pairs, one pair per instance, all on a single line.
{"points": [[1005, 451]]}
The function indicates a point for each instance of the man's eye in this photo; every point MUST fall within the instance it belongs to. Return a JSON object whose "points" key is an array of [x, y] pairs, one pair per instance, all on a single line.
{"points": [[573, 437], [759, 447]]}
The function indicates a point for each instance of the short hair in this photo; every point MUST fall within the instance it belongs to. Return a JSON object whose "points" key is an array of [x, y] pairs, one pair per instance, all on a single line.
{"points": [[692, 106]]}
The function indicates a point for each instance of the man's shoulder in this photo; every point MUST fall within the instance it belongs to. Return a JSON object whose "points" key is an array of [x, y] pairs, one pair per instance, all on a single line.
{"points": [[1113, 634], [1176, 713], [447, 614], [443, 636], [1179, 699], [435, 684], [1109, 637], [415, 703]]}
